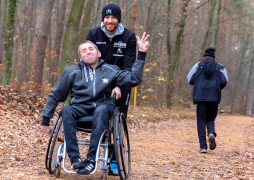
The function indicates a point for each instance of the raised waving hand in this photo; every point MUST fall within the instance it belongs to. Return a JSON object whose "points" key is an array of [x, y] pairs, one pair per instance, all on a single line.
{"points": [[143, 44]]}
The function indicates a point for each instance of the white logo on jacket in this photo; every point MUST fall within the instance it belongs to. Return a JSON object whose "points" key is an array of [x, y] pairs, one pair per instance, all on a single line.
{"points": [[104, 80], [119, 51], [120, 44], [101, 43]]}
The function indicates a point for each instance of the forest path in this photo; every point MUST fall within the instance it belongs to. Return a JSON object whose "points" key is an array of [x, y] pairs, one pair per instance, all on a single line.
{"points": [[170, 150], [166, 149]]}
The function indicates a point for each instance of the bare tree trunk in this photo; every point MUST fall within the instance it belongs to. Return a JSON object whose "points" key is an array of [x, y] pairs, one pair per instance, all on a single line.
{"points": [[8, 45], [169, 46], [134, 11], [133, 18], [217, 23], [208, 31], [228, 58], [147, 15], [234, 67], [54, 68], [96, 17], [20, 69], [169, 49], [40, 44], [221, 35], [249, 87], [16, 49], [244, 44], [69, 51], [29, 71], [175, 60], [85, 27], [2, 28]]}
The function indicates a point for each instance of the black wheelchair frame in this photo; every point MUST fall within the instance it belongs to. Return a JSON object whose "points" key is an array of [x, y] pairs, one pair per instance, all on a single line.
{"points": [[115, 138]]}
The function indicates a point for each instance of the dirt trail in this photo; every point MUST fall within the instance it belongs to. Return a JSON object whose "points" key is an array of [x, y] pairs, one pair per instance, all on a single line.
{"points": [[163, 150], [171, 151]]}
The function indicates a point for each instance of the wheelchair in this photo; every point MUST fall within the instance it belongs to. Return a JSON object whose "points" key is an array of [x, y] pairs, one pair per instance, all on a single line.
{"points": [[115, 140]]}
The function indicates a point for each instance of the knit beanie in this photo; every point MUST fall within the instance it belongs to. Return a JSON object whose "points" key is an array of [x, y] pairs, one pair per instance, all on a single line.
{"points": [[210, 52], [112, 9]]}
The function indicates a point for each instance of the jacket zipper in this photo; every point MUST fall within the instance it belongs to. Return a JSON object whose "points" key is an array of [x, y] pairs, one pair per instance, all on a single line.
{"points": [[94, 78], [85, 73], [72, 100], [94, 88]]}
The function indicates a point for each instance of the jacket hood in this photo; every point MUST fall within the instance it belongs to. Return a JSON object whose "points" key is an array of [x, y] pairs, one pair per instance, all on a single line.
{"points": [[209, 66]]}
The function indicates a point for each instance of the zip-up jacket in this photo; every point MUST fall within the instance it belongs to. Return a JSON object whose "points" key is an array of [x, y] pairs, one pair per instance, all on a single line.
{"points": [[121, 51], [91, 87], [208, 78]]}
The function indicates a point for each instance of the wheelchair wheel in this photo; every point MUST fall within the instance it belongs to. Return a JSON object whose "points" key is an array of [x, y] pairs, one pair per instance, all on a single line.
{"points": [[58, 139], [122, 146], [50, 142]]}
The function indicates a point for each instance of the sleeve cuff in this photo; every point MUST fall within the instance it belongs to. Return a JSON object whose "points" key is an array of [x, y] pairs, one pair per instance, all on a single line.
{"points": [[45, 121], [141, 55]]}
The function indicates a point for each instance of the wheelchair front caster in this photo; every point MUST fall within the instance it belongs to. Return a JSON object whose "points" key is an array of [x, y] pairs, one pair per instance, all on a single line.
{"points": [[58, 171], [105, 175]]}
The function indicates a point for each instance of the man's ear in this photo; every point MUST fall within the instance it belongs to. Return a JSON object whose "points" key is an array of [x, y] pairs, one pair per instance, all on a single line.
{"points": [[99, 54]]}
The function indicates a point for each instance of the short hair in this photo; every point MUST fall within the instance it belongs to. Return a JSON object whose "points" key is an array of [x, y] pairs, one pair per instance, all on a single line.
{"points": [[87, 41]]}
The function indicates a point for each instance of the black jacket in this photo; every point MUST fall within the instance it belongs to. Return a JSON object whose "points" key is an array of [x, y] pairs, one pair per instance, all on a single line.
{"points": [[91, 87], [208, 78], [121, 51]]}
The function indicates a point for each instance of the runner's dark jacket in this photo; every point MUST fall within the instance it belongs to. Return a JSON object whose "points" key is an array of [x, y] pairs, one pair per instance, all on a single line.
{"points": [[121, 51], [208, 78], [91, 87]]}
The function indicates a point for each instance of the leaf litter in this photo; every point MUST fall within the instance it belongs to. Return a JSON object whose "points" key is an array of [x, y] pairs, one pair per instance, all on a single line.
{"points": [[163, 143]]}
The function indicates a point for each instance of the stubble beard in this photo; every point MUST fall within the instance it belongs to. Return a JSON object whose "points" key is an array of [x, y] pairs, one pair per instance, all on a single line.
{"points": [[112, 30]]}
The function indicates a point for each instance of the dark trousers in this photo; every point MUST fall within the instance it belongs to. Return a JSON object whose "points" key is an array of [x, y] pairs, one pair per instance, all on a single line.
{"points": [[70, 115], [123, 103], [206, 113]]}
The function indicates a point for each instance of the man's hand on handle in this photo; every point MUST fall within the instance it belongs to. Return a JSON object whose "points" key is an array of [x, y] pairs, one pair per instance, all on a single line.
{"points": [[143, 44], [116, 91]]}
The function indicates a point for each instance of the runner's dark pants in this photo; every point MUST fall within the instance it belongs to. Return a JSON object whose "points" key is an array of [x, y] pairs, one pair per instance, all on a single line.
{"points": [[71, 113], [206, 114]]}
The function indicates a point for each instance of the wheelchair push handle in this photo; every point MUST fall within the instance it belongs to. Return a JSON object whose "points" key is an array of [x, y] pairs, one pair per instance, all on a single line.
{"points": [[114, 98]]}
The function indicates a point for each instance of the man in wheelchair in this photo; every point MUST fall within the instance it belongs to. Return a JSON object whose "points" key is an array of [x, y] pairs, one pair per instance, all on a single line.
{"points": [[89, 84]]}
